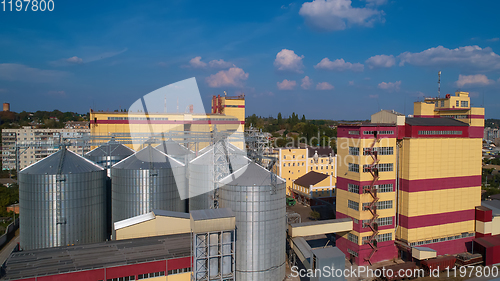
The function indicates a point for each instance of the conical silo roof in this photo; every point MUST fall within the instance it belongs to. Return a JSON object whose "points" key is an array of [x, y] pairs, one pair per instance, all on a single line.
{"points": [[147, 158], [249, 175], [236, 158], [173, 148], [111, 148], [62, 162]]}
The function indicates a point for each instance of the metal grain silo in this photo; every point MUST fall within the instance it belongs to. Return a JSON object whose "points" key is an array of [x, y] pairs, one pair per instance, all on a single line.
{"points": [[176, 150], [106, 156], [109, 154], [145, 181], [260, 212], [201, 176], [62, 201]]}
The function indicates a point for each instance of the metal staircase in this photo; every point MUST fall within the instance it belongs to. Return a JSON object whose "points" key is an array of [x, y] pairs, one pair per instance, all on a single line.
{"points": [[372, 207]]}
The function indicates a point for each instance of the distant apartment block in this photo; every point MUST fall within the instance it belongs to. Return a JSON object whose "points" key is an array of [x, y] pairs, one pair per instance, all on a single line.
{"points": [[37, 144], [490, 134]]}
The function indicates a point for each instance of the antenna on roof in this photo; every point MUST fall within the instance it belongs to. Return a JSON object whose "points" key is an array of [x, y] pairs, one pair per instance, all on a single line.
{"points": [[439, 84]]}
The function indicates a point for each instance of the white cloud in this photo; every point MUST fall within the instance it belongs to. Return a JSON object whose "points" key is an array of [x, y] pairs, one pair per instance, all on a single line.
{"points": [[231, 77], [75, 60], [324, 86], [330, 15], [351, 83], [469, 57], [219, 64], [381, 61], [493, 39], [19, 72], [390, 86], [306, 83], [287, 60], [478, 80], [286, 85], [339, 65], [197, 63], [373, 96]]}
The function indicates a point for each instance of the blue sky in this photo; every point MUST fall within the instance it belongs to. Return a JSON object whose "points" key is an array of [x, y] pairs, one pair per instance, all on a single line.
{"points": [[358, 56]]}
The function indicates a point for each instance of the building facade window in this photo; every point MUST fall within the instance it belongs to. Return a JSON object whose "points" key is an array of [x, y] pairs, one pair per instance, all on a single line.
{"points": [[380, 238], [381, 205], [457, 104], [378, 132], [353, 167], [381, 188], [353, 238], [464, 104], [426, 133], [380, 221], [379, 150], [442, 103], [352, 252], [353, 205], [353, 188], [353, 132], [385, 167], [353, 151]]}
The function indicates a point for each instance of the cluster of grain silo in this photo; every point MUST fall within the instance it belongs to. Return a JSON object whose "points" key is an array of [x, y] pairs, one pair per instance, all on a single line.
{"points": [[62, 201], [63, 198]]}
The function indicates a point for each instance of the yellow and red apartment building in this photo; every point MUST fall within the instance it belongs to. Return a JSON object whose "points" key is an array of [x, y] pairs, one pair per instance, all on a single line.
{"points": [[294, 163], [411, 183], [228, 113]]}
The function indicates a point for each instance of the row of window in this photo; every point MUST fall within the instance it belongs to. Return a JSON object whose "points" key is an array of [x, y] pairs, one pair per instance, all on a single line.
{"points": [[137, 118], [381, 188], [352, 252], [458, 103], [457, 116], [353, 188], [379, 150], [380, 238], [181, 270], [381, 205], [378, 132], [426, 133], [284, 156], [353, 167], [150, 275], [353, 151], [443, 239], [379, 221], [353, 238], [126, 278], [386, 167], [353, 205]]}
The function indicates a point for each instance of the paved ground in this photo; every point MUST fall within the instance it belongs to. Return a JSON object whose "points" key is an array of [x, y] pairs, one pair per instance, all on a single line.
{"points": [[7, 249]]}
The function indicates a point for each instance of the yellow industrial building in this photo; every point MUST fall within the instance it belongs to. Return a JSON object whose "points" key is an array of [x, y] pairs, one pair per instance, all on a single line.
{"points": [[294, 163], [408, 182], [227, 113]]}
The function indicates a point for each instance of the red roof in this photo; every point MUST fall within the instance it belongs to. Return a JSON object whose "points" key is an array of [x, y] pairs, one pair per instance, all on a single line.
{"points": [[310, 178], [488, 241]]}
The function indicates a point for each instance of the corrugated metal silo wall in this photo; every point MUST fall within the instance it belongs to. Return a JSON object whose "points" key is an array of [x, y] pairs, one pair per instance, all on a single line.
{"points": [[260, 230], [136, 192], [81, 200], [201, 177]]}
